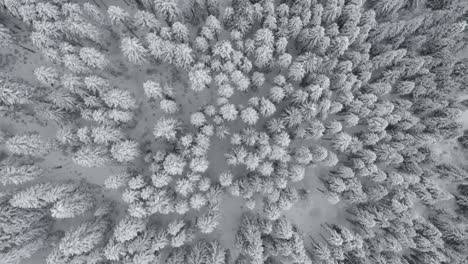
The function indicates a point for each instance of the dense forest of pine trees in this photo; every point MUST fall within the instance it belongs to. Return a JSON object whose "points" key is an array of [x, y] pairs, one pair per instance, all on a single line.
{"points": [[361, 89]]}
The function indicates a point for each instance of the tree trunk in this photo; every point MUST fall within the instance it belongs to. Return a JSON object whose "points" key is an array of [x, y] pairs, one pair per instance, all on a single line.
{"points": [[131, 31], [96, 3], [11, 14], [26, 48], [104, 4], [312, 239], [349, 212], [326, 241]]}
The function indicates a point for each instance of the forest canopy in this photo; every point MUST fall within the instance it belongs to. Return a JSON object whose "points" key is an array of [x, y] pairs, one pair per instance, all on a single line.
{"points": [[138, 131]]}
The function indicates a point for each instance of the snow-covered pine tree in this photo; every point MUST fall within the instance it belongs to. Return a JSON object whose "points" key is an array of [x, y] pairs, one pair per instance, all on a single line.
{"points": [[133, 50], [75, 204], [28, 144], [125, 151], [91, 156], [84, 238], [24, 231], [128, 228]]}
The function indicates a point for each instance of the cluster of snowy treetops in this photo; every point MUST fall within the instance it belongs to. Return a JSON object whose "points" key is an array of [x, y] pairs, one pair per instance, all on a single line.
{"points": [[360, 90]]}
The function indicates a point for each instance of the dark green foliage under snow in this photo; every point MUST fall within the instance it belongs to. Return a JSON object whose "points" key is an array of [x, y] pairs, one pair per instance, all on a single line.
{"points": [[359, 91]]}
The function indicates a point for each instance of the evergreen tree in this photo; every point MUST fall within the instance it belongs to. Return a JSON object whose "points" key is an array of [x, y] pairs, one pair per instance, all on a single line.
{"points": [[84, 238], [128, 228], [29, 144], [153, 90], [229, 112], [23, 233], [146, 20], [119, 98], [167, 10], [216, 253], [248, 238], [183, 56], [199, 79], [19, 173], [168, 106], [174, 164], [208, 221], [225, 178], [91, 156], [263, 56], [249, 116], [133, 50], [180, 32], [118, 15], [47, 76], [384, 7], [77, 203], [75, 64], [282, 229], [125, 151], [94, 83], [341, 141], [197, 119], [166, 128], [41, 195], [105, 134], [13, 92], [116, 181], [184, 186]]}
